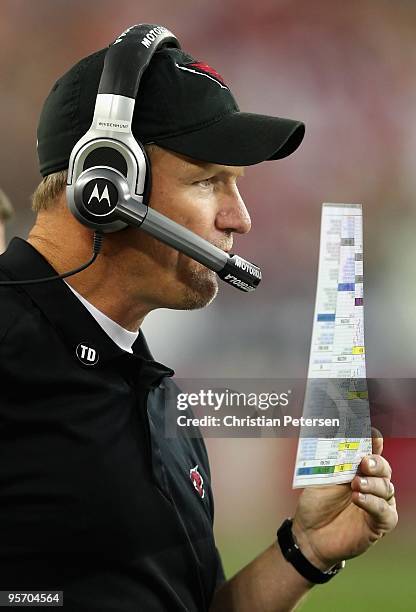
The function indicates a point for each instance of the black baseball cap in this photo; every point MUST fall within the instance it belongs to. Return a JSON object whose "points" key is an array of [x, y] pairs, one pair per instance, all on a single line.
{"points": [[183, 105]]}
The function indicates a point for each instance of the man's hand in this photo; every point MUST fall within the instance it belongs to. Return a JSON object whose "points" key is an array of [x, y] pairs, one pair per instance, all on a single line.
{"points": [[342, 521], [330, 524]]}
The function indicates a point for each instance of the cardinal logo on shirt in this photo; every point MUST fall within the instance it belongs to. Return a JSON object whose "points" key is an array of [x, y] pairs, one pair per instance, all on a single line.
{"points": [[197, 481]]}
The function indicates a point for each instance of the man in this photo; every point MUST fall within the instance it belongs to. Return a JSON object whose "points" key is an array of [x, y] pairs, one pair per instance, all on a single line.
{"points": [[6, 212], [94, 499]]}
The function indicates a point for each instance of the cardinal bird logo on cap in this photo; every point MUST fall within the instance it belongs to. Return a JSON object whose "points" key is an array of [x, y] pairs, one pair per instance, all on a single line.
{"points": [[197, 481], [202, 69]]}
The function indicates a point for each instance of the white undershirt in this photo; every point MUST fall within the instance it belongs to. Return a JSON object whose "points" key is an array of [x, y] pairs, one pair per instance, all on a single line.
{"points": [[122, 337]]}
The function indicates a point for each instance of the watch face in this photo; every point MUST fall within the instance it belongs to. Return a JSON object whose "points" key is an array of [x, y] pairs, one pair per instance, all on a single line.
{"points": [[100, 197]]}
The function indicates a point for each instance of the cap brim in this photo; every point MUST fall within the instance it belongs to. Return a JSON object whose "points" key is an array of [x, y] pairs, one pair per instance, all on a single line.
{"points": [[239, 139]]}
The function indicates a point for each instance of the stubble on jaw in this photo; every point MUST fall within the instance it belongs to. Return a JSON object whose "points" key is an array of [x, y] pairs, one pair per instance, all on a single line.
{"points": [[200, 291], [196, 287]]}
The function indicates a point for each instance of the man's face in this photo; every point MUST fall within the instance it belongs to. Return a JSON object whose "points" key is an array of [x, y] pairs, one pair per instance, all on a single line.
{"points": [[205, 199]]}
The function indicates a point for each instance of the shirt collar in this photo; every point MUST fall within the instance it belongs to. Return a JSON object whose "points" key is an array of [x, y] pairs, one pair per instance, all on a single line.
{"points": [[66, 313], [121, 336]]}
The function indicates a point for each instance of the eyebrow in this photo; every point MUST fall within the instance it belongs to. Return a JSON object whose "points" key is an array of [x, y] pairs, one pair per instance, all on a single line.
{"points": [[216, 169]]}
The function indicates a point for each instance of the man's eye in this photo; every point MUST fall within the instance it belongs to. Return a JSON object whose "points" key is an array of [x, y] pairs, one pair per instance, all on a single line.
{"points": [[205, 182]]}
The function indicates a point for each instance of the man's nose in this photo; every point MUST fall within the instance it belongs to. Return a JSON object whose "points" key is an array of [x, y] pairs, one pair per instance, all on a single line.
{"points": [[233, 215]]}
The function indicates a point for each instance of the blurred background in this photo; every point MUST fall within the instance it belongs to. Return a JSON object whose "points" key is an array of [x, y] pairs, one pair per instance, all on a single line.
{"points": [[347, 70]]}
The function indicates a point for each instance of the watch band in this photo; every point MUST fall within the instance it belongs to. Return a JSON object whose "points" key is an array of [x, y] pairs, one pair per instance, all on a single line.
{"points": [[293, 554]]}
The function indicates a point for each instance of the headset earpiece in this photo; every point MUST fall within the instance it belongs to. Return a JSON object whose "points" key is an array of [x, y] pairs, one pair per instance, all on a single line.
{"points": [[101, 191], [97, 193]]}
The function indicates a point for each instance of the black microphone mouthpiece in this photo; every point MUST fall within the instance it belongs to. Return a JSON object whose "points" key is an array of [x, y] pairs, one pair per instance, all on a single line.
{"points": [[240, 273]]}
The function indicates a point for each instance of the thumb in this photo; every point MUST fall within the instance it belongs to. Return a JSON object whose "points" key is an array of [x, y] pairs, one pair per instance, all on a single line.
{"points": [[377, 440]]}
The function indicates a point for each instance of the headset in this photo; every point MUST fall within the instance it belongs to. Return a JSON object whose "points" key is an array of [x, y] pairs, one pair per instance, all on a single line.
{"points": [[109, 172]]}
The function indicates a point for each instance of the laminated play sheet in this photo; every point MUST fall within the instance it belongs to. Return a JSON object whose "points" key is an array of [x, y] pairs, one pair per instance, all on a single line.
{"points": [[337, 371]]}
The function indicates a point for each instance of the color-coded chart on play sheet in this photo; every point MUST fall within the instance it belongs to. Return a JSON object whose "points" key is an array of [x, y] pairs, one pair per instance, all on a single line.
{"points": [[337, 374]]}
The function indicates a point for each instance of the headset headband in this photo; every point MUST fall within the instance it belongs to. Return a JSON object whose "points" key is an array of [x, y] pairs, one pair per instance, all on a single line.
{"points": [[125, 61], [128, 57]]}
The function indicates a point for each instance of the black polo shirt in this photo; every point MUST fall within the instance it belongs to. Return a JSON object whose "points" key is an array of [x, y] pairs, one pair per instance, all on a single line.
{"points": [[95, 501]]}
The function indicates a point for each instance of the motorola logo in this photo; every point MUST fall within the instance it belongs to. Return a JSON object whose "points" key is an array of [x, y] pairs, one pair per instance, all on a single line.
{"points": [[232, 280], [152, 35], [103, 196], [100, 197], [246, 266]]}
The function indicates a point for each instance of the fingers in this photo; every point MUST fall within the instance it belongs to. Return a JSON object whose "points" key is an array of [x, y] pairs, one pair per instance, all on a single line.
{"points": [[375, 465], [377, 440], [380, 487], [373, 491], [383, 514]]}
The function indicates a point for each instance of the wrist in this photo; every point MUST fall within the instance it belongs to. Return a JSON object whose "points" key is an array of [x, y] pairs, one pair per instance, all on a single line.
{"points": [[307, 549], [314, 569]]}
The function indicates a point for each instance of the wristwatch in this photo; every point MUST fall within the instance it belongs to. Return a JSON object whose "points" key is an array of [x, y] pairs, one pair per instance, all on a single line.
{"points": [[293, 554]]}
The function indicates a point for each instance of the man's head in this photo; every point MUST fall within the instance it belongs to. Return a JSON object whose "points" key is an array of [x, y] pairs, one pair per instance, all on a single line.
{"points": [[6, 211], [198, 141], [201, 196]]}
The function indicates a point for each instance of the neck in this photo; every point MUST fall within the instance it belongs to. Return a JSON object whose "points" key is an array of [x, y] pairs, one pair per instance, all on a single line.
{"points": [[104, 284]]}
